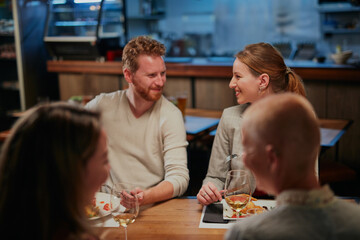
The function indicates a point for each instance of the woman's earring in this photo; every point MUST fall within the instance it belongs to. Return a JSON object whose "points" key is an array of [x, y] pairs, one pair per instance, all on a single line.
{"points": [[261, 88]]}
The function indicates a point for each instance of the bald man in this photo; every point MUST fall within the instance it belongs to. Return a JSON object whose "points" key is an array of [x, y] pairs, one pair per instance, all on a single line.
{"points": [[281, 140]]}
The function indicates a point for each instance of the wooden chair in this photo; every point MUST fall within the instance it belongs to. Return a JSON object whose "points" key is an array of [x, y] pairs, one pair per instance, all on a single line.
{"points": [[333, 172]]}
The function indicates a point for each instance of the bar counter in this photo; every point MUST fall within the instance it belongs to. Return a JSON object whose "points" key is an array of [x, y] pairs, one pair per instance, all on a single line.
{"points": [[200, 67]]}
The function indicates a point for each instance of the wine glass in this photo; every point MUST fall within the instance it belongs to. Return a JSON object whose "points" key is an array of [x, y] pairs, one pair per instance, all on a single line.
{"points": [[124, 204], [237, 190]]}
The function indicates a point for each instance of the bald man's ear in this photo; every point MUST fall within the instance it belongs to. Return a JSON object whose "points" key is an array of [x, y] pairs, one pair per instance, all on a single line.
{"points": [[127, 75], [264, 81], [272, 158]]}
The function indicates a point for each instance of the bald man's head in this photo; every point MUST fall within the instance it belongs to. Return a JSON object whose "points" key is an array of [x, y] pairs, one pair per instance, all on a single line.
{"points": [[288, 123]]}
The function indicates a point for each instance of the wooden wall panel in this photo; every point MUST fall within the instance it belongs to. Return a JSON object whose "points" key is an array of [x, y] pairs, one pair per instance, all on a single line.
{"points": [[344, 102], [175, 86], [86, 84], [316, 94], [123, 83], [214, 94]]}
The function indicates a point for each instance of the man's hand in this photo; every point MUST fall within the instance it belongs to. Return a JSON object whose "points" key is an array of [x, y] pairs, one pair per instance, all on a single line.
{"points": [[140, 195], [128, 200], [209, 194], [163, 191]]}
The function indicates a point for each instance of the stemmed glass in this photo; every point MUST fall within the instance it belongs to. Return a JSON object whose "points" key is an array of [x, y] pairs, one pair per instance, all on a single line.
{"points": [[237, 190], [124, 204]]}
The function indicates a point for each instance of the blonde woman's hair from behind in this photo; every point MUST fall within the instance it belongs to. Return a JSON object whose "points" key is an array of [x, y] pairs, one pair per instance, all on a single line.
{"points": [[42, 167], [264, 58]]}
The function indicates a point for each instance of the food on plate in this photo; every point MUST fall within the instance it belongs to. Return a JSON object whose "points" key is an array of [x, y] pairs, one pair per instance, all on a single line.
{"points": [[251, 205], [238, 201], [92, 210], [98, 207], [106, 207], [229, 213]]}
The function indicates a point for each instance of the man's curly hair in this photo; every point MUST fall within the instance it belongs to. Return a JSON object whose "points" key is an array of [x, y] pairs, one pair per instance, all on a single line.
{"points": [[140, 45]]}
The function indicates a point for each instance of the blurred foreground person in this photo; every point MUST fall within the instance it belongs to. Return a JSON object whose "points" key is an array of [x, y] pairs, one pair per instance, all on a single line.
{"points": [[146, 132], [50, 168], [281, 142], [259, 70]]}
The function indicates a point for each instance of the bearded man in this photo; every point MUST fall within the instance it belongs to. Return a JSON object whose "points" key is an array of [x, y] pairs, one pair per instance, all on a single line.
{"points": [[146, 133]]}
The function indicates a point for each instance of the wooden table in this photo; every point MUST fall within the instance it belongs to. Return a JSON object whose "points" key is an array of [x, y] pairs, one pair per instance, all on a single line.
{"points": [[337, 124], [204, 128], [203, 113], [334, 123], [172, 219]]}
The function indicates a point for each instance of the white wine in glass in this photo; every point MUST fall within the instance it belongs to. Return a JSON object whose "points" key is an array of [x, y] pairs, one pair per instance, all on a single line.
{"points": [[124, 204], [237, 190]]}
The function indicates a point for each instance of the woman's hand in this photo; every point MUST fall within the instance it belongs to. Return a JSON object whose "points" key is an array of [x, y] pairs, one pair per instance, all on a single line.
{"points": [[209, 194]]}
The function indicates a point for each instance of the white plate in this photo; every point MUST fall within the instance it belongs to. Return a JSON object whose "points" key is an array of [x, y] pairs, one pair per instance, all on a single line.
{"points": [[101, 200], [228, 212]]}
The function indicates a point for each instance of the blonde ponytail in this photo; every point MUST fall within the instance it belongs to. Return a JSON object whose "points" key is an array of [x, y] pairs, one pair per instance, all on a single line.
{"points": [[295, 83]]}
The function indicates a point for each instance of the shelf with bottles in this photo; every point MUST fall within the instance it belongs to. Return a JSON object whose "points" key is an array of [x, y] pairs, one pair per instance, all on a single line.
{"points": [[7, 34], [6, 58], [339, 18], [7, 27], [146, 10], [82, 18], [331, 28], [10, 85], [330, 31], [7, 51], [335, 8], [146, 17], [10, 101], [86, 29], [8, 67], [81, 23]]}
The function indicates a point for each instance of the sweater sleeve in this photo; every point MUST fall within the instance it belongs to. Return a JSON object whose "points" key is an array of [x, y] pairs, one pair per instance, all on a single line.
{"points": [[174, 151], [94, 103], [218, 167]]}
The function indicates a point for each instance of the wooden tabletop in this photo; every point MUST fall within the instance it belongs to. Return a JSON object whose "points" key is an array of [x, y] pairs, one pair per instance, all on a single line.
{"points": [[203, 113], [172, 219], [340, 124]]}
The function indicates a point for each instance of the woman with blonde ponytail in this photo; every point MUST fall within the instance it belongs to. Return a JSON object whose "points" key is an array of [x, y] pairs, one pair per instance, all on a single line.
{"points": [[258, 71]]}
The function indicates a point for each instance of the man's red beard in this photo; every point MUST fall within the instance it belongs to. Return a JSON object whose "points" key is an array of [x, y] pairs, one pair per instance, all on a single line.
{"points": [[146, 93]]}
